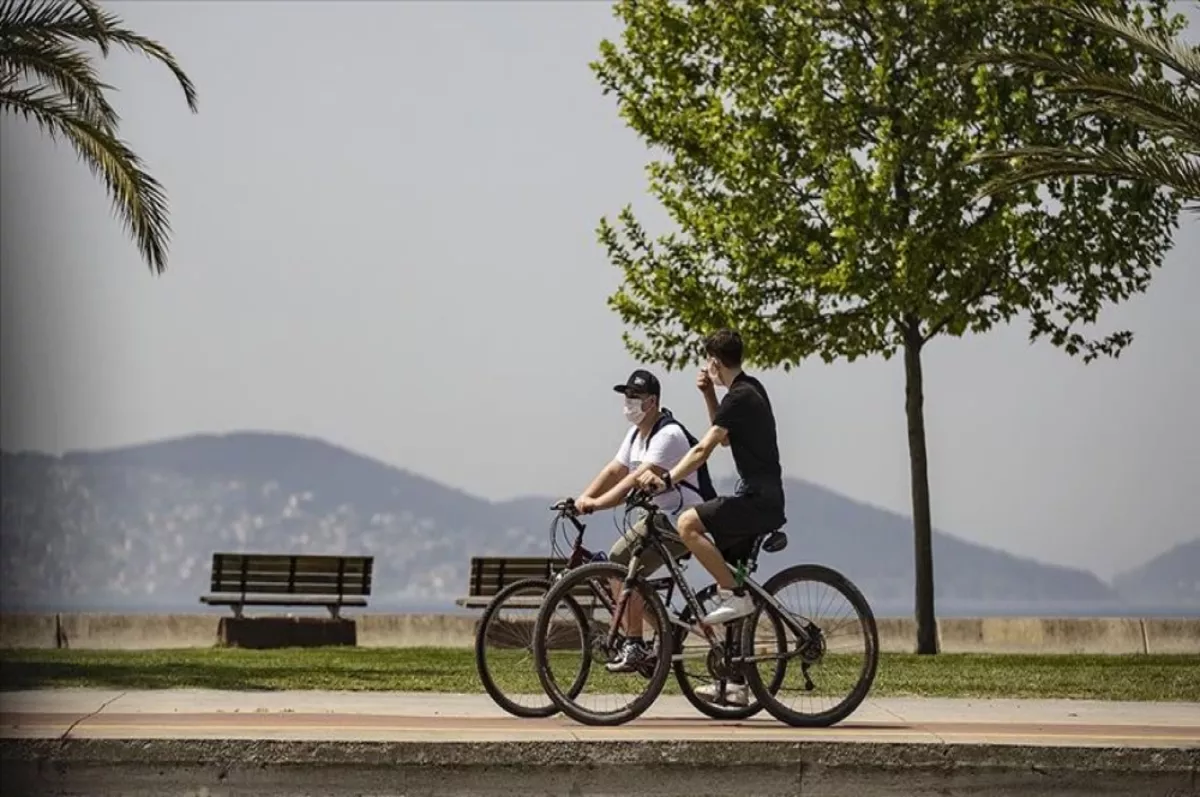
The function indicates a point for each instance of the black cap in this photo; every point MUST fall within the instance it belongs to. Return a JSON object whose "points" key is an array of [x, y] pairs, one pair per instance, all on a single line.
{"points": [[641, 382]]}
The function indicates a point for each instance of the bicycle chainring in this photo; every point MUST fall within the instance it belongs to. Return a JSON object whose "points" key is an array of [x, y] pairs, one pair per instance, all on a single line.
{"points": [[814, 650], [718, 667]]}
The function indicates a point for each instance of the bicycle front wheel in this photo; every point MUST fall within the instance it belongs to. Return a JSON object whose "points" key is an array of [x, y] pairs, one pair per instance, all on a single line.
{"points": [[830, 667], [617, 691], [504, 650]]}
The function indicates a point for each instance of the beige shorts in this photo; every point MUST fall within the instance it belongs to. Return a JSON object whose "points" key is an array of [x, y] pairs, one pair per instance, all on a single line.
{"points": [[650, 560]]}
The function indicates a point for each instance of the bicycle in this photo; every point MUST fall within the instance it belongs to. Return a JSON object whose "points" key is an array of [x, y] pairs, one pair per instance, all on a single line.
{"points": [[491, 624], [724, 660]]}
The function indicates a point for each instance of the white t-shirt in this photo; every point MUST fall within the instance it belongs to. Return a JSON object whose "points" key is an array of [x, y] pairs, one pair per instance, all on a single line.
{"points": [[667, 447]]}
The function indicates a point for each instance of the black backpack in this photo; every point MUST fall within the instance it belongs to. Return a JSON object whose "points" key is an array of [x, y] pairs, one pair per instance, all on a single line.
{"points": [[705, 488]]}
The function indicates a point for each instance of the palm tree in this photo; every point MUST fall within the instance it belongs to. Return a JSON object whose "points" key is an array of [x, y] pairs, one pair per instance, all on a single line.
{"points": [[1168, 111], [45, 77]]}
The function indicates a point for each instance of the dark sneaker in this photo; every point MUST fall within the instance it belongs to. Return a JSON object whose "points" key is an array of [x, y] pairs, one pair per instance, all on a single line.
{"points": [[631, 657]]}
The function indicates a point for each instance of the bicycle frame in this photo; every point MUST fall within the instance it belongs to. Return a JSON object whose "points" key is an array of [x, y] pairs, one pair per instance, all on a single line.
{"points": [[654, 538], [575, 558]]}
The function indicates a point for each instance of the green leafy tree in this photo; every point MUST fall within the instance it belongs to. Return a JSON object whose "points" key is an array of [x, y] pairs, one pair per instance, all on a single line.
{"points": [[1169, 112], [47, 78], [812, 156]]}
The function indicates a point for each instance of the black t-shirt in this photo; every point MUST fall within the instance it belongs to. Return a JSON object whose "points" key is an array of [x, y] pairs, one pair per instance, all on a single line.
{"points": [[746, 413]]}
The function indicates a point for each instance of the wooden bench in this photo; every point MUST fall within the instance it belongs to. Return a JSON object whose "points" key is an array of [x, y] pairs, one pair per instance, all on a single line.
{"points": [[491, 574], [256, 579]]}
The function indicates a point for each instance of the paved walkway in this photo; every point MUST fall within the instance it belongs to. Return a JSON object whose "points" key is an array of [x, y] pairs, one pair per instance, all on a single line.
{"points": [[359, 716]]}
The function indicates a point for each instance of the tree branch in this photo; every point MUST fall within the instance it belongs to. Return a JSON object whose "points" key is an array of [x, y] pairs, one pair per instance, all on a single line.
{"points": [[983, 291]]}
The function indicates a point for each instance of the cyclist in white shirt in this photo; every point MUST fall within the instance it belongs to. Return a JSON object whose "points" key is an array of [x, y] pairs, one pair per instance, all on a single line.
{"points": [[656, 443]]}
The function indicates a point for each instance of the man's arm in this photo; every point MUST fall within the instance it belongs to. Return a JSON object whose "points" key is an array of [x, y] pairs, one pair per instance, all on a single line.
{"points": [[710, 401], [609, 475], [617, 494], [699, 453], [696, 456]]}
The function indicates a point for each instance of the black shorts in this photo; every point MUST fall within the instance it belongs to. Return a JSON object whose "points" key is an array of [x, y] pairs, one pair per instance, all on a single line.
{"points": [[735, 521]]}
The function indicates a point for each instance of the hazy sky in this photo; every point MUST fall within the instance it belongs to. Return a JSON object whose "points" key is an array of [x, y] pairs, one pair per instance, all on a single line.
{"points": [[385, 221]]}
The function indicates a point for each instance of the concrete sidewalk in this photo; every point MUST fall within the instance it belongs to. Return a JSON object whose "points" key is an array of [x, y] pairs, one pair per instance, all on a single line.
{"points": [[337, 744], [360, 716]]}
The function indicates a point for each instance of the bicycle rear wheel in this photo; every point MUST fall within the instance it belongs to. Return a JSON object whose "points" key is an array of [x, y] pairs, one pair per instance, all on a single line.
{"points": [[608, 698], [834, 678], [504, 650]]}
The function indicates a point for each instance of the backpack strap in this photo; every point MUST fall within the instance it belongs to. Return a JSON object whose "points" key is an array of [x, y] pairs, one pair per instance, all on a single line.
{"points": [[665, 419]]}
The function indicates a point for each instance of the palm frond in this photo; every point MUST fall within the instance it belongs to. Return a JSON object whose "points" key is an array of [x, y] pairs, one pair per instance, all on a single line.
{"points": [[138, 197], [1181, 57], [1156, 107], [1024, 61], [1159, 107], [114, 30], [1038, 164], [85, 21], [41, 18], [67, 70]]}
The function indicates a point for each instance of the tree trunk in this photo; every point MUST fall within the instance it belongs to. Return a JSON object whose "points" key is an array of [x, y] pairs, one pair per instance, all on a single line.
{"points": [[914, 408]]}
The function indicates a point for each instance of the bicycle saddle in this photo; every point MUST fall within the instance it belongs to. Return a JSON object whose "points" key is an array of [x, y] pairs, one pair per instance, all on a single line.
{"points": [[775, 541]]}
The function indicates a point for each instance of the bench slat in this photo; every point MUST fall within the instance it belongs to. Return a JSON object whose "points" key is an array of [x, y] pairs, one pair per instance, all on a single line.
{"points": [[283, 564], [284, 578], [285, 600], [267, 588], [509, 572], [524, 602], [513, 559]]}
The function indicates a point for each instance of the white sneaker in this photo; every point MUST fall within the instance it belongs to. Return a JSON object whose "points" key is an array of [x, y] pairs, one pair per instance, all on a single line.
{"points": [[735, 694], [729, 607]]}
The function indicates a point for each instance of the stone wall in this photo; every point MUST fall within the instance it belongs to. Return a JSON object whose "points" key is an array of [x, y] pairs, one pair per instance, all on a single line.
{"points": [[1105, 635]]}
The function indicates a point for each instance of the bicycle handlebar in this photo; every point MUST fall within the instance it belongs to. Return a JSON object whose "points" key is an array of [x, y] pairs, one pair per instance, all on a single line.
{"points": [[643, 498], [637, 497], [566, 506]]}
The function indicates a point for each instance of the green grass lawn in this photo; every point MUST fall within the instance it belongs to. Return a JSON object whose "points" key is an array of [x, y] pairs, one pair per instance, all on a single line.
{"points": [[1133, 677]]}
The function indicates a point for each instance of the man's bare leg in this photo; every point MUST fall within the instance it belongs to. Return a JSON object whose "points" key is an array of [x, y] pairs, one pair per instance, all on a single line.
{"points": [[734, 602], [635, 652], [691, 531], [635, 610]]}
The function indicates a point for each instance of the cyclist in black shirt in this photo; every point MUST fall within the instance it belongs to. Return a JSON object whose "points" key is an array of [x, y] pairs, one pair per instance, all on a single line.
{"points": [[744, 421]]}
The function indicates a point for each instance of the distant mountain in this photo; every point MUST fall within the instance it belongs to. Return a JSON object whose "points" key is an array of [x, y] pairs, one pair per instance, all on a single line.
{"points": [[136, 527], [1171, 579]]}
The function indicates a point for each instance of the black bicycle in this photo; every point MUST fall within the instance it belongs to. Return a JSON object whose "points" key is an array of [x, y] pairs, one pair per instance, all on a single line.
{"points": [[504, 639], [773, 636]]}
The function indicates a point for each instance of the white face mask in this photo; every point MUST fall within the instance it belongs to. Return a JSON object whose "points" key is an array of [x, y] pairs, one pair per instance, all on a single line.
{"points": [[633, 410]]}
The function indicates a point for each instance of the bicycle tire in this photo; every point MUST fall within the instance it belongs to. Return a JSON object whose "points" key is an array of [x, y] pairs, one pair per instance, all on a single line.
{"points": [[771, 703], [713, 710], [485, 676], [662, 667]]}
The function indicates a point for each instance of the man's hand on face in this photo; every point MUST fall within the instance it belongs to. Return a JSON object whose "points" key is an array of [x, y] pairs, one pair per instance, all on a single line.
{"points": [[585, 505], [704, 382], [649, 481]]}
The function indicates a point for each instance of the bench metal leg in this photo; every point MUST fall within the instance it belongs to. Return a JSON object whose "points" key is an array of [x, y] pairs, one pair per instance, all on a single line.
{"points": [[335, 610], [237, 610]]}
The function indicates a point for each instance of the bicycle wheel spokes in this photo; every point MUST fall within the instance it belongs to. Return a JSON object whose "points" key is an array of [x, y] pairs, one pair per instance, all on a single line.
{"points": [[504, 651], [612, 694], [829, 674]]}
